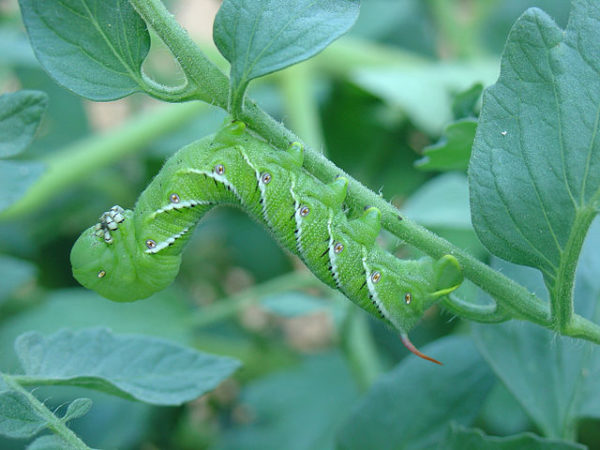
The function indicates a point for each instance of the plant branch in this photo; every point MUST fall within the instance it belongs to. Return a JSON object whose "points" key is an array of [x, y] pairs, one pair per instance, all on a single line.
{"points": [[170, 94], [561, 287], [212, 85], [507, 292], [235, 103], [53, 423], [492, 313]]}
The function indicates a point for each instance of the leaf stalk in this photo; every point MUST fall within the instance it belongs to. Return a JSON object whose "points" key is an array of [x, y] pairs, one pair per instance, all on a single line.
{"points": [[54, 423], [561, 287]]}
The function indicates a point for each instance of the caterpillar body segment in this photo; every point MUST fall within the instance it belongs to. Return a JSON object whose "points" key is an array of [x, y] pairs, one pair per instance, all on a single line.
{"points": [[120, 270], [142, 253]]}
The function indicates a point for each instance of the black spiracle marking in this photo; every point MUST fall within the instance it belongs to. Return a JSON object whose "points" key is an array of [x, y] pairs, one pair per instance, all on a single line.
{"points": [[376, 306]]}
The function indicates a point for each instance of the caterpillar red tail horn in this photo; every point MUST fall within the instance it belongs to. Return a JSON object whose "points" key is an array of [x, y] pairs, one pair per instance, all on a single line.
{"points": [[410, 346]]}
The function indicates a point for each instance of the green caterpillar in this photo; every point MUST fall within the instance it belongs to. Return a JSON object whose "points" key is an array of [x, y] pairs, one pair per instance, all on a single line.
{"points": [[130, 255]]}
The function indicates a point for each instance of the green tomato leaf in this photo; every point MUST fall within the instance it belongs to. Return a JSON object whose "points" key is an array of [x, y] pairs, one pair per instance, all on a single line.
{"points": [[138, 367], [424, 90], [77, 408], [552, 377], [49, 442], [93, 47], [260, 37], [20, 116], [535, 167], [453, 150], [17, 418], [461, 438], [313, 395], [15, 179], [441, 203], [465, 102], [393, 414], [502, 414], [164, 315]]}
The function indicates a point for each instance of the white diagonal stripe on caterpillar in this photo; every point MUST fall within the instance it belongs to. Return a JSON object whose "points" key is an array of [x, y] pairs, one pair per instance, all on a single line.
{"points": [[297, 218], [261, 187], [373, 292], [332, 254], [220, 178], [167, 242], [181, 205]]}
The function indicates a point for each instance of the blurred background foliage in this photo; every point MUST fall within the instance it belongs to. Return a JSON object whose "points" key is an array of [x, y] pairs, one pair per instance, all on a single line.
{"points": [[372, 102]]}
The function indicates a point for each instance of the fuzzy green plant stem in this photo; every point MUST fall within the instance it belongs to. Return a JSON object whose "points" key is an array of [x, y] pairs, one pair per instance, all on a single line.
{"points": [[491, 313], [237, 93], [53, 423], [212, 85], [514, 298], [561, 286]]}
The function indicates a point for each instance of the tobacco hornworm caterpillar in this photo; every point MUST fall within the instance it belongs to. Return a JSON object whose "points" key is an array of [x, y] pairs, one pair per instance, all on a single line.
{"points": [[130, 255]]}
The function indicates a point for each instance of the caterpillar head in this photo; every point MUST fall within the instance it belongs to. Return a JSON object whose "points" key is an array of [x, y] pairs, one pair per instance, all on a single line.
{"points": [[108, 259], [407, 288], [403, 289]]}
